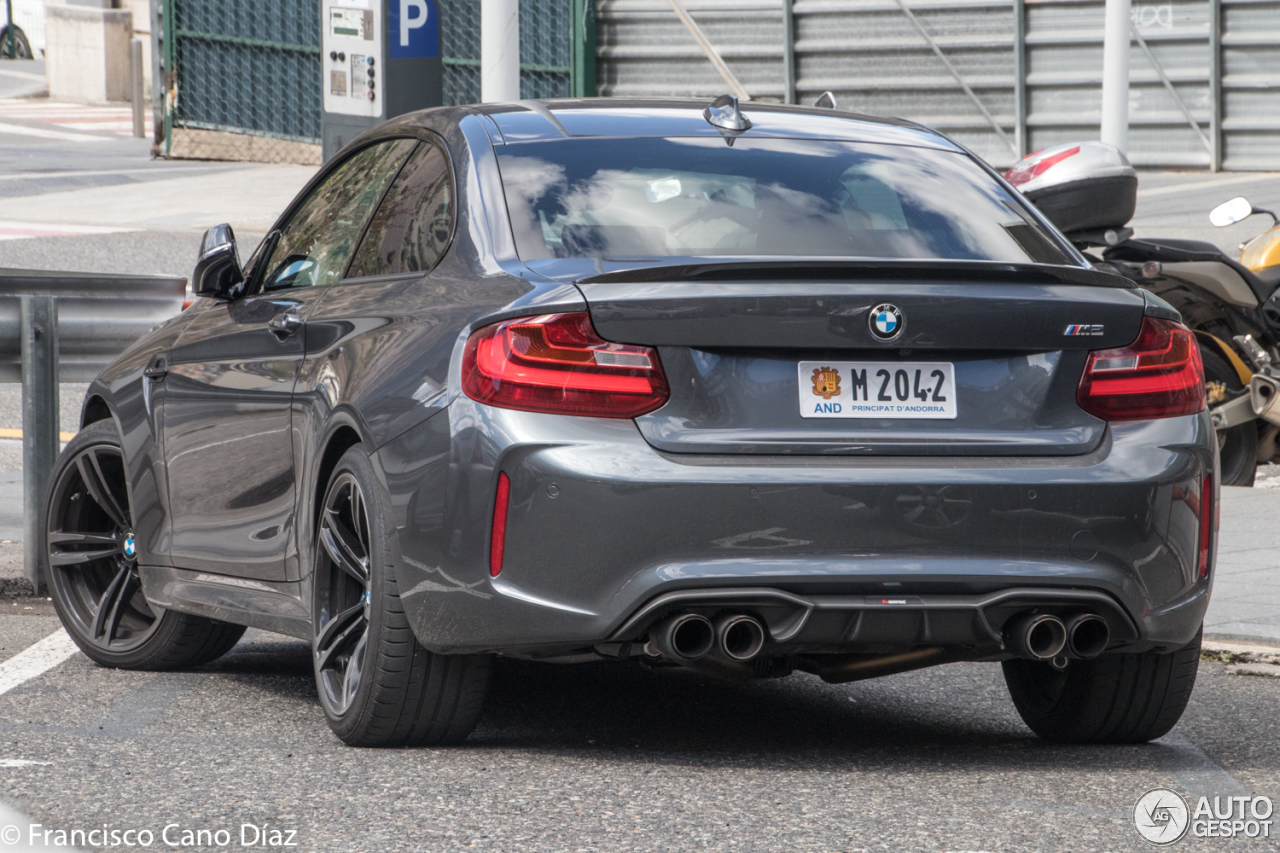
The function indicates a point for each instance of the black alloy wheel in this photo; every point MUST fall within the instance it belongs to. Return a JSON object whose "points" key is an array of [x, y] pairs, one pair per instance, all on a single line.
{"points": [[342, 595], [92, 554], [378, 686]]}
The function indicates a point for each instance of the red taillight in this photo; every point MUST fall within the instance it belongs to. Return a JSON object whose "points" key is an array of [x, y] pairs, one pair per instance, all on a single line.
{"points": [[1207, 524], [557, 364], [498, 541], [1035, 165], [186, 303], [1157, 376]]}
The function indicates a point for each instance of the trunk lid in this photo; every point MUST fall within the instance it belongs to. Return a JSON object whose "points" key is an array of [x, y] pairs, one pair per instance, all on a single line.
{"points": [[746, 346]]}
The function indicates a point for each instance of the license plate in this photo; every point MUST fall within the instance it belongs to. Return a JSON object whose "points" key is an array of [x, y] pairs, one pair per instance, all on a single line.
{"points": [[870, 389]]}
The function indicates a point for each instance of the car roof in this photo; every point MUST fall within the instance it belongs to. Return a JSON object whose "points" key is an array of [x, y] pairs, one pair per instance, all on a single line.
{"points": [[530, 121]]}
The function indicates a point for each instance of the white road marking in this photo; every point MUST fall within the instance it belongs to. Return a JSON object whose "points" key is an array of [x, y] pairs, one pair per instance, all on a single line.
{"points": [[23, 130], [15, 833], [1197, 773], [160, 171], [22, 75], [22, 762], [97, 118], [16, 230], [37, 659]]}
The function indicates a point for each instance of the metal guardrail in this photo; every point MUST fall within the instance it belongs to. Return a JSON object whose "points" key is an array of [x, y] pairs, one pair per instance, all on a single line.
{"points": [[57, 326]]}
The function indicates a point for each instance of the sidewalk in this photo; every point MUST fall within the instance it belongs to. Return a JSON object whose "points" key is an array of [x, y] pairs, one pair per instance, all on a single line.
{"points": [[79, 193], [22, 78], [1246, 589]]}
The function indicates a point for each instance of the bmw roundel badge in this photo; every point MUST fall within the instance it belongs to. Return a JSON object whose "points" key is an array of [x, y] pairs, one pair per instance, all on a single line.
{"points": [[886, 322]]}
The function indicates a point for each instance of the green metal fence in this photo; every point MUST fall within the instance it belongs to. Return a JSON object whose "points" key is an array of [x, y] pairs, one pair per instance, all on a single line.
{"points": [[254, 68], [557, 49], [244, 66]]}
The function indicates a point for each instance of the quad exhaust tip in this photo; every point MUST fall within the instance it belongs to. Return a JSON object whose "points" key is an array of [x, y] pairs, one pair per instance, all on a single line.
{"points": [[1038, 636], [739, 637], [734, 638], [1087, 635], [684, 636], [1045, 637]]}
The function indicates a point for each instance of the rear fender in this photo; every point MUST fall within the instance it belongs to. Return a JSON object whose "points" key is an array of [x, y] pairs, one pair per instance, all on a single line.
{"points": [[1222, 348]]}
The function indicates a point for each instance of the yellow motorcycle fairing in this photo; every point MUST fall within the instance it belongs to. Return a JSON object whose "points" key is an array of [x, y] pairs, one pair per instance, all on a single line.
{"points": [[1262, 251]]}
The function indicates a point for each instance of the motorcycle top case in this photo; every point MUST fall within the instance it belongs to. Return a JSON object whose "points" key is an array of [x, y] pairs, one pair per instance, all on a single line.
{"points": [[1079, 186]]}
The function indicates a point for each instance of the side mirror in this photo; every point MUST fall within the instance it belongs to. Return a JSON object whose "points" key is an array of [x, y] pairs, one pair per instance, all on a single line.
{"points": [[1231, 212], [217, 272]]}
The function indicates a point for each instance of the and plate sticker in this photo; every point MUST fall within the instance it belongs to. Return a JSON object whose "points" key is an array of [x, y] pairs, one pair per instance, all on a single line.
{"points": [[870, 389]]}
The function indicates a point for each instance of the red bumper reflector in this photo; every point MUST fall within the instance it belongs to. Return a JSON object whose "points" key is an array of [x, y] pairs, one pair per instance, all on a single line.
{"points": [[499, 538], [1157, 376], [1208, 523]]}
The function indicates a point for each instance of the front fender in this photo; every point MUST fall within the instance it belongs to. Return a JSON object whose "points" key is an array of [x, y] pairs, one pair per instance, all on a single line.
{"points": [[135, 404]]}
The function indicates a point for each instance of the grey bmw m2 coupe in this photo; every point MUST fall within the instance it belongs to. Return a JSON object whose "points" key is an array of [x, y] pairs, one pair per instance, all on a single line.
{"points": [[746, 390]]}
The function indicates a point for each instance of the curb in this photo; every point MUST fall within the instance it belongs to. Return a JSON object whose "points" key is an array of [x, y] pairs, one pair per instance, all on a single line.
{"points": [[1260, 650], [1244, 658], [1255, 642], [26, 605]]}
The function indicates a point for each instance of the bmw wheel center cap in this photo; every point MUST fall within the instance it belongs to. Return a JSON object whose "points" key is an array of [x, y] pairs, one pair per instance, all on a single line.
{"points": [[886, 322], [130, 547]]}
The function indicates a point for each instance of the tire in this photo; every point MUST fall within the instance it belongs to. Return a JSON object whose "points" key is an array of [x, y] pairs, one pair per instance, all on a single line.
{"points": [[93, 572], [1114, 698], [22, 47], [1237, 446], [378, 686]]}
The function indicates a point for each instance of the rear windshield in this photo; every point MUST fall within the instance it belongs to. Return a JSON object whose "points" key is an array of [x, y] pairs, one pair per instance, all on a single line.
{"points": [[653, 197]]}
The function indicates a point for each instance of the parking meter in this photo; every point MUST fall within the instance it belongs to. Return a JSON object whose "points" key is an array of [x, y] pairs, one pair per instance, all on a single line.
{"points": [[381, 59]]}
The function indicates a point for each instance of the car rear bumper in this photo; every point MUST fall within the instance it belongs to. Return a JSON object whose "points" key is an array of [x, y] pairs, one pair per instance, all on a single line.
{"points": [[604, 532]]}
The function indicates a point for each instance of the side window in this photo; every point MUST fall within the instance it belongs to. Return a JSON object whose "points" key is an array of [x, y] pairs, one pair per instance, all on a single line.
{"points": [[320, 237], [411, 229]]}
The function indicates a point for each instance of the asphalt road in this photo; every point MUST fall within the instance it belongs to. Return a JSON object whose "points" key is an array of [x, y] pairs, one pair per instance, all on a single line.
{"points": [[607, 757], [1177, 204]]}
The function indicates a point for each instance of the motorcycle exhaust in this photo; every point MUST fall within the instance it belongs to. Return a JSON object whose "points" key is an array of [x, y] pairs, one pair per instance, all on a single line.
{"points": [[684, 637], [739, 637], [1037, 636], [1087, 635]]}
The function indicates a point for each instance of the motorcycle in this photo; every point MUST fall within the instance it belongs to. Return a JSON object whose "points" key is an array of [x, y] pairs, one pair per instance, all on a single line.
{"points": [[1089, 190]]}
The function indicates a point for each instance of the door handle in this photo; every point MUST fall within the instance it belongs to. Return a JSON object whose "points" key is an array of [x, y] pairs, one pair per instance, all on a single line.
{"points": [[158, 368], [285, 323]]}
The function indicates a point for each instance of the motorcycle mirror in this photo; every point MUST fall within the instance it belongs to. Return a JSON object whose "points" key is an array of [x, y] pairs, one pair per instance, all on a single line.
{"points": [[1231, 212]]}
